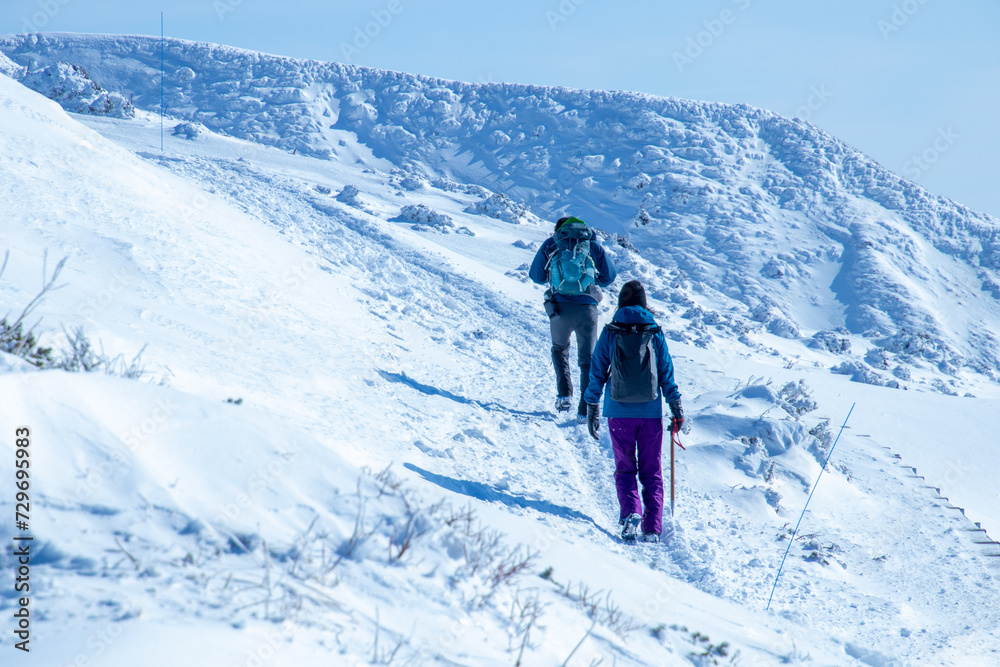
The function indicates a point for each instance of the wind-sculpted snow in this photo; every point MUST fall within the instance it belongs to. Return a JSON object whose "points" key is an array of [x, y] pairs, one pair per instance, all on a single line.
{"points": [[9, 68], [768, 224]]}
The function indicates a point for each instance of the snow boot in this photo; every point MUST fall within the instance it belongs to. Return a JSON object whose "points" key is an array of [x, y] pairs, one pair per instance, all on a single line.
{"points": [[630, 527], [564, 403], [650, 537]]}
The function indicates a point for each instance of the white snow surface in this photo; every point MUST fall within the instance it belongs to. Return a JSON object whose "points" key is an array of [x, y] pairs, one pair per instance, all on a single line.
{"points": [[174, 527]]}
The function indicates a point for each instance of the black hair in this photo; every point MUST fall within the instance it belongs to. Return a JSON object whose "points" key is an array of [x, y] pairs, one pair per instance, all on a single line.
{"points": [[632, 294]]}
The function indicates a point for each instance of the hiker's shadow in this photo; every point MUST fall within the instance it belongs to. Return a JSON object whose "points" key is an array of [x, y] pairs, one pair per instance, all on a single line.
{"points": [[482, 491], [404, 379]]}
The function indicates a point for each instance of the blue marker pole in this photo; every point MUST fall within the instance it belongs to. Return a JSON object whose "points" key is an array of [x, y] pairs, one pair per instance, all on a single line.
{"points": [[162, 107], [794, 532]]}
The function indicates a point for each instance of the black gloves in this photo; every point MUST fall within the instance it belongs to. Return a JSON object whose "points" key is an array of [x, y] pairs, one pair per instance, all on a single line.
{"points": [[677, 416], [594, 419]]}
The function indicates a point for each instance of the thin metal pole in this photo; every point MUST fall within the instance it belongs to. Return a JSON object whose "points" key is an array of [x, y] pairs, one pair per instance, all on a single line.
{"points": [[162, 107], [794, 532]]}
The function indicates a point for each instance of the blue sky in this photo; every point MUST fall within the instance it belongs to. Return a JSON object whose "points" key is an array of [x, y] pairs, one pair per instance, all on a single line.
{"points": [[915, 84]]}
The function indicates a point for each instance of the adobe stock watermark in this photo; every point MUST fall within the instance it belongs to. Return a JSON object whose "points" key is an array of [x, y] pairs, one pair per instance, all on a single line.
{"points": [[254, 488], [134, 439], [94, 304], [562, 13], [102, 639], [268, 307], [699, 43], [788, 652], [47, 10], [269, 647], [818, 97], [954, 472], [920, 164], [223, 7], [900, 16], [363, 36]]}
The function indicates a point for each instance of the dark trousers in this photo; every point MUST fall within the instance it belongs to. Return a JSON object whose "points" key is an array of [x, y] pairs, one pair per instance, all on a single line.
{"points": [[579, 319], [637, 443]]}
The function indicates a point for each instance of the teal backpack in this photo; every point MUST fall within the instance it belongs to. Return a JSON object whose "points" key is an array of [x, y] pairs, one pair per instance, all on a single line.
{"points": [[571, 268]]}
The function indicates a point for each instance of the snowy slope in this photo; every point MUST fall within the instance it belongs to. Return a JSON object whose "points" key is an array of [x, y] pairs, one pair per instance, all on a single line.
{"points": [[758, 223], [356, 341]]}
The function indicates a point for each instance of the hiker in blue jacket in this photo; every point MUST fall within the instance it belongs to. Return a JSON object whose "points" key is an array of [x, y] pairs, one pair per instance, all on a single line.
{"points": [[632, 358], [572, 313]]}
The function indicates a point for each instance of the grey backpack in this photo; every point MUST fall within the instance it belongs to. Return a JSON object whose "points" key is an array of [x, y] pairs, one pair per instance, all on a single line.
{"points": [[634, 375]]}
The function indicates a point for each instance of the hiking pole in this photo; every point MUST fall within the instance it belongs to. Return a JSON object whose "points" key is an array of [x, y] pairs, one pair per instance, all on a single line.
{"points": [[674, 440], [794, 532]]}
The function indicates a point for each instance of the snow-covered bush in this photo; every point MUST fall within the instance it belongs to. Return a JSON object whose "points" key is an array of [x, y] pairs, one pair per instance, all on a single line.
{"points": [[72, 87], [832, 340], [919, 344], [775, 321], [78, 355], [822, 440], [796, 399], [449, 185], [81, 356], [774, 268], [18, 339], [190, 131], [859, 372], [754, 460], [350, 196], [502, 207], [481, 561], [642, 218], [422, 214], [15, 339], [877, 358], [410, 182], [424, 218]]}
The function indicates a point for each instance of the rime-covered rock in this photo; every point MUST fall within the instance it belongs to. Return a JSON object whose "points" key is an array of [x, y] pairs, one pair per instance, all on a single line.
{"points": [[72, 87]]}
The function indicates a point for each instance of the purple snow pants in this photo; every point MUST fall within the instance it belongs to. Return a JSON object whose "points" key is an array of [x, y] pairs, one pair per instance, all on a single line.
{"points": [[629, 436]]}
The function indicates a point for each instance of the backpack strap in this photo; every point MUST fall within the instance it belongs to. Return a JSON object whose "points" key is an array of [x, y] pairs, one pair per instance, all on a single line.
{"points": [[632, 327]]}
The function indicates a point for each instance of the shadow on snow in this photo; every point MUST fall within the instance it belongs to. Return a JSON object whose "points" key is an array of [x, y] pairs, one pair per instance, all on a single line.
{"points": [[402, 378], [482, 491]]}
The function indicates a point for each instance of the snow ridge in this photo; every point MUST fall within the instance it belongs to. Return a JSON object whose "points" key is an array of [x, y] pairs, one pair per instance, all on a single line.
{"points": [[706, 192]]}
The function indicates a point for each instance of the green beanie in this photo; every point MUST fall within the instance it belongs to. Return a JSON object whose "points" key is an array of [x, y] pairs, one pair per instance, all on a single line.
{"points": [[562, 221]]}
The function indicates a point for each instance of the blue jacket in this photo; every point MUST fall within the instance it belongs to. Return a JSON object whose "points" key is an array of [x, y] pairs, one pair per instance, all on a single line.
{"points": [[600, 370], [538, 272]]}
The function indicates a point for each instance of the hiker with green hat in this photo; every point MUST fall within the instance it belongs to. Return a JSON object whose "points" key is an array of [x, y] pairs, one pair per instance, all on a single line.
{"points": [[575, 267]]}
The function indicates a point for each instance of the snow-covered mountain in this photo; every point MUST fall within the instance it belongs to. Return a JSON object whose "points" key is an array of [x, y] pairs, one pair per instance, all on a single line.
{"points": [[758, 222], [362, 291]]}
